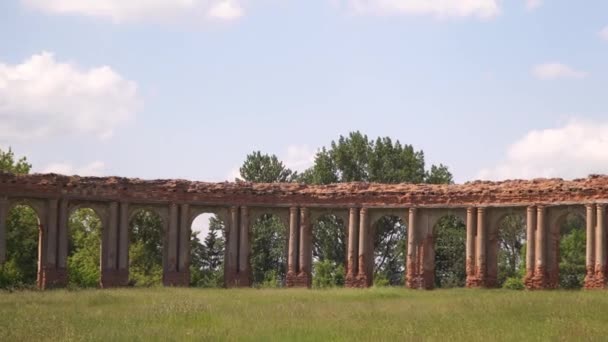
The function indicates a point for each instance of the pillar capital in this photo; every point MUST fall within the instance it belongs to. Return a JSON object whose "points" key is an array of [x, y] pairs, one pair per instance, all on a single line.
{"points": [[601, 206], [590, 206], [364, 211], [413, 210], [531, 208], [470, 210], [481, 210], [294, 210]]}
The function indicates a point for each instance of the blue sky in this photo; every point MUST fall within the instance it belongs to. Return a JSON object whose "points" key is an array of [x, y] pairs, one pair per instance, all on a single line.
{"points": [[185, 89]]}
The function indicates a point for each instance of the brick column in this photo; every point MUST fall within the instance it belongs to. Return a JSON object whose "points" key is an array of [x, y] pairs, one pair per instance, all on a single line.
{"points": [[231, 264], [353, 250], [470, 249], [3, 219], [244, 250], [363, 278], [124, 227], [170, 273], [182, 278], [109, 244], [530, 246], [412, 280], [600, 247], [48, 274], [481, 247], [292, 253], [590, 248], [540, 271], [305, 274]]}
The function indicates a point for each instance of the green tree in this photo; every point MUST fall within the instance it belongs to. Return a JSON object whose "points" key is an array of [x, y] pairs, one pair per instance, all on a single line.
{"points": [[146, 250], [84, 248], [264, 168], [269, 236], [21, 266], [356, 158]]}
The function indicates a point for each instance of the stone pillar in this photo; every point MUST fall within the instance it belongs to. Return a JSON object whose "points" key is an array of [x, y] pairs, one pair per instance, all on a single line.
{"points": [[363, 278], [353, 250], [109, 262], [62, 242], [170, 274], [412, 280], [305, 274], [123, 244], [540, 270], [183, 250], [530, 245], [470, 249], [600, 247], [244, 250], [481, 247], [292, 253], [590, 247], [231, 264], [48, 276], [3, 219]]}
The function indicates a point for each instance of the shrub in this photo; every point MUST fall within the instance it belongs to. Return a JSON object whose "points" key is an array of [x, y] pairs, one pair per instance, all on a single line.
{"points": [[514, 283]]}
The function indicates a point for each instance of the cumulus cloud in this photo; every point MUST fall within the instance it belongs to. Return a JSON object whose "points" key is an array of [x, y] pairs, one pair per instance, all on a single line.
{"points": [[134, 10], [299, 157], [42, 97], [482, 9], [604, 33], [577, 149], [555, 70], [95, 168], [533, 4]]}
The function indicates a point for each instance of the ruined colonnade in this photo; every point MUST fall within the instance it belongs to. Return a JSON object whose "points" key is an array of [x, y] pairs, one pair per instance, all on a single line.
{"points": [[544, 205]]}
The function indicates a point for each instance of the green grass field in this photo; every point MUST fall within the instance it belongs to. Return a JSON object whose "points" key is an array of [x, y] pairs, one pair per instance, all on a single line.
{"points": [[387, 314]]}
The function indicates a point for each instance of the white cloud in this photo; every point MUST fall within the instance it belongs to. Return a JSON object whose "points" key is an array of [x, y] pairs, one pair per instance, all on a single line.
{"points": [[95, 168], [482, 9], [299, 157], [41, 98], [604, 33], [136, 10], [533, 4], [555, 70], [577, 149]]}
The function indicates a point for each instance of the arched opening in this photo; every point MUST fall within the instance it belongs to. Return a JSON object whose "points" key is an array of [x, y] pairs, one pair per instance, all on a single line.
{"points": [[511, 256], [146, 249], [390, 243], [84, 248], [328, 251], [571, 251], [268, 251], [450, 252], [22, 248], [207, 251]]}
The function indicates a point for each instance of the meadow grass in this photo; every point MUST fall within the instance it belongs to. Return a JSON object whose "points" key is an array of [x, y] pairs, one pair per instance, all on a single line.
{"points": [[377, 314]]}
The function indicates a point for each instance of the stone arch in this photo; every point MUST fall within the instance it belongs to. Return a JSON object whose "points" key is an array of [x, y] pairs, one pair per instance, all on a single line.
{"points": [[162, 213], [557, 216], [33, 272], [449, 260], [393, 238], [339, 257], [222, 214], [256, 214], [496, 218], [101, 212]]}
